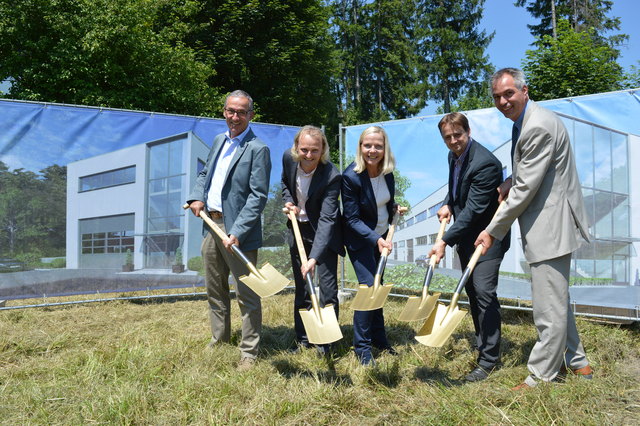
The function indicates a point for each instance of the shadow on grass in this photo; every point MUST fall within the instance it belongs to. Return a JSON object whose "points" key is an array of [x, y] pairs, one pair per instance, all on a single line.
{"points": [[433, 376], [288, 369]]}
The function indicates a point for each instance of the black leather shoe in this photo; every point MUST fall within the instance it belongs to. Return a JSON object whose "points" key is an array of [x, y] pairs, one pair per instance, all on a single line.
{"points": [[298, 348], [478, 374], [323, 350]]}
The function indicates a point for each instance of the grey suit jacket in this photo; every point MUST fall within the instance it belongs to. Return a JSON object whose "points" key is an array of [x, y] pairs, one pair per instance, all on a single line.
{"points": [[546, 197], [245, 189], [322, 206]]}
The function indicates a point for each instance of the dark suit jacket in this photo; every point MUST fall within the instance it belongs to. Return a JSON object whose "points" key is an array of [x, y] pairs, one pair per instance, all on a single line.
{"points": [[245, 189], [360, 212], [322, 207], [476, 201]]}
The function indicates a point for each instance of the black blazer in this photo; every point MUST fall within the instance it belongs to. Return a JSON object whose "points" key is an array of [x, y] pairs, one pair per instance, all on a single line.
{"points": [[322, 206], [360, 215], [476, 201]]}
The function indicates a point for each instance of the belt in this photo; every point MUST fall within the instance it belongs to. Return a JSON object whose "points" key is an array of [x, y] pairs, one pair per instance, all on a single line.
{"points": [[215, 214]]}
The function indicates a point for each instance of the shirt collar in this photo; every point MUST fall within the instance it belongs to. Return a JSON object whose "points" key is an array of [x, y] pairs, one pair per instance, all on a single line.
{"points": [[238, 138], [305, 174], [518, 122], [464, 154]]}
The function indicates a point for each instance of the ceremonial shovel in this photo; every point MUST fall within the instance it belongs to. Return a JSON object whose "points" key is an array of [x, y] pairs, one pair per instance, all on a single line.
{"points": [[441, 324], [418, 308], [370, 298], [264, 282], [321, 324]]}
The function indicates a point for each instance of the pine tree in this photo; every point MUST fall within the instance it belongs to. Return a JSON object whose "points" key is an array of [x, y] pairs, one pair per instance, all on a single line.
{"points": [[452, 47]]}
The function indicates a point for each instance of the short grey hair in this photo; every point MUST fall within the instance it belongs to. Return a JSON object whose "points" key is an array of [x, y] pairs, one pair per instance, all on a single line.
{"points": [[240, 94], [518, 77]]}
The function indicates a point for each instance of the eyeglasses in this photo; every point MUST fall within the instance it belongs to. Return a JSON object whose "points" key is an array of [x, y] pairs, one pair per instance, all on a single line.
{"points": [[240, 112]]}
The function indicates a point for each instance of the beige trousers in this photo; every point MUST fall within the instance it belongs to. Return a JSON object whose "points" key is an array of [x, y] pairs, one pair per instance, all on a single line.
{"points": [[218, 263]]}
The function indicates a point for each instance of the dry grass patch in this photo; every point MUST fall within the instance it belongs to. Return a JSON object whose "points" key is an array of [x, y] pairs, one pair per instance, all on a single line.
{"points": [[145, 363]]}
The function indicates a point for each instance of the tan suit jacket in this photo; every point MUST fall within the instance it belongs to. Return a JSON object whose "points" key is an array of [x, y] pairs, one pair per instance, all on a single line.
{"points": [[546, 197]]}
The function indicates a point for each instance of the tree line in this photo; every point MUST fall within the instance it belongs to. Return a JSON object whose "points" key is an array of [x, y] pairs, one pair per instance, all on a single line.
{"points": [[33, 208], [304, 61]]}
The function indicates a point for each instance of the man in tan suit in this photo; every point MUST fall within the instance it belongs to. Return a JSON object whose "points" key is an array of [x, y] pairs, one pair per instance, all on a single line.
{"points": [[544, 194]]}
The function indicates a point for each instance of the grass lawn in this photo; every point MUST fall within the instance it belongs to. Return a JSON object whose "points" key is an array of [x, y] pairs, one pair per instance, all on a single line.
{"points": [[129, 362]]}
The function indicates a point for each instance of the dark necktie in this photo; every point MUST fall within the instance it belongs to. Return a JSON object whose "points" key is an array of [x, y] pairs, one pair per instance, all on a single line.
{"points": [[514, 138]]}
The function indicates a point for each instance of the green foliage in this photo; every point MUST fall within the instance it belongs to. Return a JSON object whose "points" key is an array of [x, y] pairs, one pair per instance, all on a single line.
{"points": [[178, 260], [279, 258], [583, 15], [477, 96], [128, 257], [280, 52], [379, 63], [452, 47], [275, 230], [115, 53], [571, 65], [410, 276], [58, 263], [196, 264], [632, 78]]}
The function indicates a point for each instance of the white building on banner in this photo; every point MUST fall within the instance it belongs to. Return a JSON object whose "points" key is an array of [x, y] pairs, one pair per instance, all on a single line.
{"points": [[130, 200], [611, 188]]}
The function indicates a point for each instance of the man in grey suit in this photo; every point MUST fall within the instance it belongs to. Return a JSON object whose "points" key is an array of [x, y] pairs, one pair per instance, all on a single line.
{"points": [[544, 194], [233, 188]]}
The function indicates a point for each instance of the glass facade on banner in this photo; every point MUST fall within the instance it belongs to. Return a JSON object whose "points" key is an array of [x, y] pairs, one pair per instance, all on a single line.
{"points": [[165, 217], [603, 168]]}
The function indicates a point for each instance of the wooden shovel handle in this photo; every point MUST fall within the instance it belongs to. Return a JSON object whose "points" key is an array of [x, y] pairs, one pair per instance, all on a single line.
{"points": [[204, 216], [443, 225], [392, 228], [296, 233]]}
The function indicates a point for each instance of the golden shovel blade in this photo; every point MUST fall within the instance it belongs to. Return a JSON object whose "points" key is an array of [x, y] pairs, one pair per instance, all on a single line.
{"points": [[267, 282], [370, 298], [321, 327], [440, 325], [418, 308]]}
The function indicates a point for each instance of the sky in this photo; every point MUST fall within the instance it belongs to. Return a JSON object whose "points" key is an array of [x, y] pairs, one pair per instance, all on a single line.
{"points": [[512, 37]]}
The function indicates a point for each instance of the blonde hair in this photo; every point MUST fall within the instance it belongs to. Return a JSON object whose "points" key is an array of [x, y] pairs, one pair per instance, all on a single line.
{"points": [[388, 163], [314, 132]]}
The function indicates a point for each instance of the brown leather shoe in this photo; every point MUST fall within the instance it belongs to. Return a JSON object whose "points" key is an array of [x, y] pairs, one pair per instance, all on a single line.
{"points": [[584, 372], [521, 387]]}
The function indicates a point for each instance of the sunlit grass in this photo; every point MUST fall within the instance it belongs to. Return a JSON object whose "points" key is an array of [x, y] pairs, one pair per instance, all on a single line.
{"points": [[145, 362]]}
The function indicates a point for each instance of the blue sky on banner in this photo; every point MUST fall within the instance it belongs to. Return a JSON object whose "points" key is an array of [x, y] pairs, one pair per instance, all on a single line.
{"points": [[37, 135], [421, 155]]}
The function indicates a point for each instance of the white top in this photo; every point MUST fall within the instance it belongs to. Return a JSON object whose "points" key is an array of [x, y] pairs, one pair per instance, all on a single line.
{"points": [[229, 148], [381, 192], [303, 181]]}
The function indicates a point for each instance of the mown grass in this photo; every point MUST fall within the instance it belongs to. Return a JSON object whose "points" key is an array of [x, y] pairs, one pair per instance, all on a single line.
{"points": [[129, 362]]}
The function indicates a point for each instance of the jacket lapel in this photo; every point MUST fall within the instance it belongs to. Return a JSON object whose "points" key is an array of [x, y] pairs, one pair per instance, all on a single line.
{"points": [[241, 148]]}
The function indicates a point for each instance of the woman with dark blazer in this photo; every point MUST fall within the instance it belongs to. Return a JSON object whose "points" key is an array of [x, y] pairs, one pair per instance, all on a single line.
{"points": [[368, 191], [310, 188]]}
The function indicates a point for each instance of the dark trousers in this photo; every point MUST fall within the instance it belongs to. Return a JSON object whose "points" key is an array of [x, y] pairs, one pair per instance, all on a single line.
{"points": [[368, 326], [485, 310], [327, 273]]}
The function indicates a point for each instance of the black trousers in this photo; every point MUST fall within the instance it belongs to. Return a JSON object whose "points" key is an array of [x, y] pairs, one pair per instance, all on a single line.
{"points": [[327, 273], [485, 309]]}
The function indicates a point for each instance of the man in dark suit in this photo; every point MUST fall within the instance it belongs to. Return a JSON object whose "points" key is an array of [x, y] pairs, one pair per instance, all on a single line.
{"points": [[233, 188], [310, 187], [544, 194], [474, 175]]}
